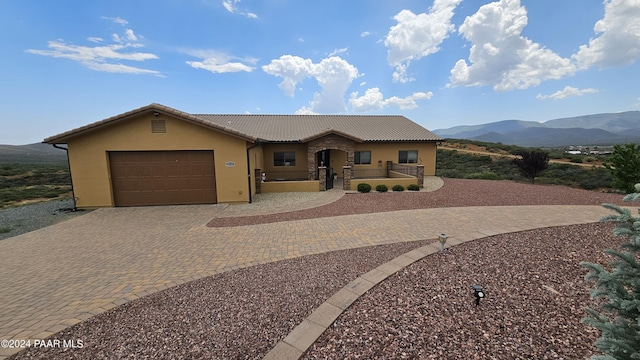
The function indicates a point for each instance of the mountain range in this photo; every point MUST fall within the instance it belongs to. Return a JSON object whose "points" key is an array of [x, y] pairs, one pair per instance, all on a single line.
{"points": [[587, 130], [38, 152]]}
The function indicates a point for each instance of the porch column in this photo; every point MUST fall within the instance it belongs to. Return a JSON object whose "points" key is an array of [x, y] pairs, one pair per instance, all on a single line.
{"points": [[322, 176], [420, 175], [389, 167], [311, 161], [350, 159], [346, 178]]}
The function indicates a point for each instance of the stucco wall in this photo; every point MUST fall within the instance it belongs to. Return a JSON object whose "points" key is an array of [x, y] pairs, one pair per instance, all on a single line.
{"points": [[90, 164], [301, 158], [290, 186], [383, 152], [256, 159]]}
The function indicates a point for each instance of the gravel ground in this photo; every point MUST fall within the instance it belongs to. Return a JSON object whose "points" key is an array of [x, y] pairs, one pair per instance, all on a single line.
{"points": [[535, 289], [454, 193], [535, 298], [31, 217]]}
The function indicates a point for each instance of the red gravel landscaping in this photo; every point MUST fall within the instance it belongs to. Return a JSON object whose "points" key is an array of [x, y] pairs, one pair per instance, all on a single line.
{"points": [[454, 193]]}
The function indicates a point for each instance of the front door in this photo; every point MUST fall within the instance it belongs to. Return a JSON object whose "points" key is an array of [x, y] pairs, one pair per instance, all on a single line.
{"points": [[323, 159]]}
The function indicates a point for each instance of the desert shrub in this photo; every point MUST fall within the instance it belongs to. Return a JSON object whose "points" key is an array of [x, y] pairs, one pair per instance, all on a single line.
{"points": [[590, 159], [397, 188], [486, 175], [382, 188], [33, 192], [5, 229], [575, 159], [413, 187], [364, 187]]}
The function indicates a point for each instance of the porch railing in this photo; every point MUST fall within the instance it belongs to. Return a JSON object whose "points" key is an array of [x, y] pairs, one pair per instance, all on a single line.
{"points": [[405, 169]]}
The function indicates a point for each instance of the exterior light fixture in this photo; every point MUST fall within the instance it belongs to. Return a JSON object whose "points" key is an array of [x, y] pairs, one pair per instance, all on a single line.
{"points": [[443, 239], [478, 293]]}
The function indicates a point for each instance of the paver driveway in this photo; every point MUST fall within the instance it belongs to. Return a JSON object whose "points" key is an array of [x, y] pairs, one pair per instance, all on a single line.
{"points": [[55, 277]]}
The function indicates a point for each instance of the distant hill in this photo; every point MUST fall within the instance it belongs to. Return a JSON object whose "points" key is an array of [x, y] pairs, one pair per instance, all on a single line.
{"points": [[499, 127], [615, 122], [598, 129], [31, 153]]}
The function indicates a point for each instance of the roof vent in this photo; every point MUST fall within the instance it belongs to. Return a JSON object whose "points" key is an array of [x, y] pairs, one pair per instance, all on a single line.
{"points": [[158, 127]]}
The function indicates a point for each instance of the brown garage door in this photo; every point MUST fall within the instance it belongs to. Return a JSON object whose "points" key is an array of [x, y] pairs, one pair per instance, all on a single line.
{"points": [[162, 177]]}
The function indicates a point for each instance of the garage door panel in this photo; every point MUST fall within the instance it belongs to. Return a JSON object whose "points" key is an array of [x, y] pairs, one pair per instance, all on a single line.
{"points": [[162, 177]]}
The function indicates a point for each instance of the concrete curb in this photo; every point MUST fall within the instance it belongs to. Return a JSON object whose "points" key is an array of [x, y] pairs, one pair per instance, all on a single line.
{"points": [[302, 337]]}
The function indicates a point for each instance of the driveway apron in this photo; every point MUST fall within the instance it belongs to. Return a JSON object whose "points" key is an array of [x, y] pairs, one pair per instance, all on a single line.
{"points": [[58, 276]]}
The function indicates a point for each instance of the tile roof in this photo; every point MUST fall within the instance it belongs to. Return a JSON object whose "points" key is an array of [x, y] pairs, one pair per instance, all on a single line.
{"points": [[62, 137], [289, 128], [281, 128]]}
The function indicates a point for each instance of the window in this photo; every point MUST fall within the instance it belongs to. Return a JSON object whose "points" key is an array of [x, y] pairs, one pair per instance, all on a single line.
{"points": [[408, 157], [284, 159], [362, 157]]}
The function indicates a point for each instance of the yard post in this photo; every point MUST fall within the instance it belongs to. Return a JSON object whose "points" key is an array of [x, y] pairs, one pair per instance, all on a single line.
{"points": [[346, 177], [420, 175], [322, 176]]}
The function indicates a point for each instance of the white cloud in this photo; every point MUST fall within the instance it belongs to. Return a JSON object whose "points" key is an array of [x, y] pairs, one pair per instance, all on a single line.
{"points": [[373, 100], [365, 33], [417, 36], [120, 68], [500, 56], [218, 63], [305, 111], [333, 74], [337, 51], [117, 20], [293, 69], [618, 42], [105, 58], [99, 58], [131, 36], [566, 92], [231, 7]]}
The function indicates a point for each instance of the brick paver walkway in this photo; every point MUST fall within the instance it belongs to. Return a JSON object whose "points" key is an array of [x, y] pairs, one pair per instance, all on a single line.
{"points": [[58, 276]]}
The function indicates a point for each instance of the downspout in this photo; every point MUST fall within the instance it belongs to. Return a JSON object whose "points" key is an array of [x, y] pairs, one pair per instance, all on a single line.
{"points": [[73, 194], [258, 143]]}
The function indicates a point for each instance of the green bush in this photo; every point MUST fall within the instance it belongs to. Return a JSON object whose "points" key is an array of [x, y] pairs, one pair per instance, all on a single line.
{"points": [[382, 188], [486, 175], [5, 229], [364, 187], [413, 187], [576, 160], [397, 188], [454, 164]]}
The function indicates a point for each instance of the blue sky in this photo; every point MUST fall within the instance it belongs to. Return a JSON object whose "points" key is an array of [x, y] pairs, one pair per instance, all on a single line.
{"points": [[441, 63]]}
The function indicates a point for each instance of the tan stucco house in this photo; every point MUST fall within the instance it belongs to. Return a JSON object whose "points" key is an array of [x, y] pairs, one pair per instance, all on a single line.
{"points": [[157, 155]]}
